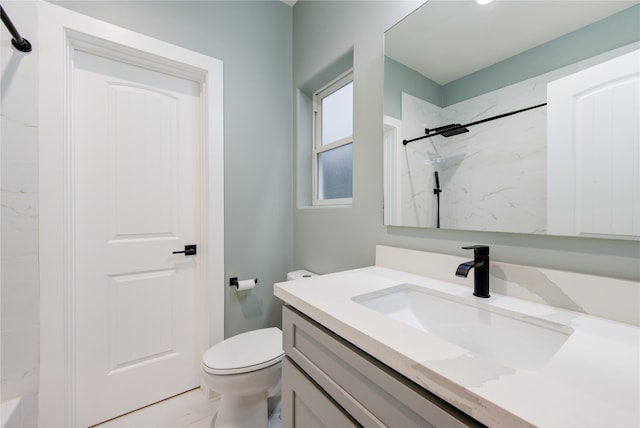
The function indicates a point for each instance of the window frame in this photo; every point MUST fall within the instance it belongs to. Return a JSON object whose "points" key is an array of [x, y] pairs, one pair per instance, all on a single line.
{"points": [[318, 148]]}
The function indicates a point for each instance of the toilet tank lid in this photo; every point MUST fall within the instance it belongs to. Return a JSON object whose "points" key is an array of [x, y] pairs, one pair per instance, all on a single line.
{"points": [[245, 352], [300, 274]]}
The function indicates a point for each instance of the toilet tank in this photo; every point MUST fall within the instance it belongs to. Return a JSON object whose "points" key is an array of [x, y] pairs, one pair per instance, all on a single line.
{"points": [[299, 274]]}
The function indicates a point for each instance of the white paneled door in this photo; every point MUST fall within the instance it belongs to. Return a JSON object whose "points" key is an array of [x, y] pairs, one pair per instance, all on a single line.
{"points": [[136, 192], [593, 148]]}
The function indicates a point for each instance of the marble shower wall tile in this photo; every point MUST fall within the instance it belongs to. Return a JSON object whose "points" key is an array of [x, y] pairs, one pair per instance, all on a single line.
{"points": [[20, 292]]}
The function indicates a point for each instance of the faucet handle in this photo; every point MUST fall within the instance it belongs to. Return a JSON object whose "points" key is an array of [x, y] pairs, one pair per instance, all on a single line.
{"points": [[478, 249]]}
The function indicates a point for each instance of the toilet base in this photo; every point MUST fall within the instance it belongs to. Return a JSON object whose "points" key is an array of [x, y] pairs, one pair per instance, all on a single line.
{"points": [[243, 412]]}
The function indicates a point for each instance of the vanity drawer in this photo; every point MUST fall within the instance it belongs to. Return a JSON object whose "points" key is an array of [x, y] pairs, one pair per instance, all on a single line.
{"points": [[372, 393], [306, 405]]}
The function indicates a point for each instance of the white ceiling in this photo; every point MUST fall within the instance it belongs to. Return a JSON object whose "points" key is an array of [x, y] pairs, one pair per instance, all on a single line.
{"points": [[448, 39]]}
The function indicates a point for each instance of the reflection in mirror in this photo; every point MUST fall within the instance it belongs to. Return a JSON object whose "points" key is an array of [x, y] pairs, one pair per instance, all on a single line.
{"points": [[569, 166]]}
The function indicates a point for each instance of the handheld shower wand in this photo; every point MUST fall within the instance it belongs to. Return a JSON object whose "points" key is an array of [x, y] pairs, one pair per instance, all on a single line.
{"points": [[437, 192]]}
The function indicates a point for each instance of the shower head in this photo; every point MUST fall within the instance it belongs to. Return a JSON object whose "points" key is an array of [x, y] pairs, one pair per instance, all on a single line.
{"points": [[445, 131], [449, 130]]}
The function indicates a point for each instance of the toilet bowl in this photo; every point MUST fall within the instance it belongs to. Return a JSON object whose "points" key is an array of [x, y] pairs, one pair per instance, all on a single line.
{"points": [[246, 371]]}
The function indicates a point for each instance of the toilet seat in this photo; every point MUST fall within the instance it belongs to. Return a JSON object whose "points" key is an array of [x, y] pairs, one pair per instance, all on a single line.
{"points": [[246, 352]]}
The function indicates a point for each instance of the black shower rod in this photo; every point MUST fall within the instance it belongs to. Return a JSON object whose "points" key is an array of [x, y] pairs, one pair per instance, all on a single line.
{"points": [[18, 41], [456, 128]]}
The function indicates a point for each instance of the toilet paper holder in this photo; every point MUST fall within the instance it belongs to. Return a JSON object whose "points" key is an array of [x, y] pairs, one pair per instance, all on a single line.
{"points": [[233, 281]]}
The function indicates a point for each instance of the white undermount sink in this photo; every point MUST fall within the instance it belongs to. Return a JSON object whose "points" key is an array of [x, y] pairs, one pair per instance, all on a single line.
{"points": [[513, 339]]}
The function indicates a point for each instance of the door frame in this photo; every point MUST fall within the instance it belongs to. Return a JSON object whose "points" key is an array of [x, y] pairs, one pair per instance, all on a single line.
{"points": [[61, 33]]}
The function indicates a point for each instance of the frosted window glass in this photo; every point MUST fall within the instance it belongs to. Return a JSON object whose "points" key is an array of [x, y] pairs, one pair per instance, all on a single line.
{"points": [[337, 115], [334, 173]]}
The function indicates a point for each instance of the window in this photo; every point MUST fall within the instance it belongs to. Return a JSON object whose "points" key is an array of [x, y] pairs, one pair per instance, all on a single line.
{"points": [[333, 142]]}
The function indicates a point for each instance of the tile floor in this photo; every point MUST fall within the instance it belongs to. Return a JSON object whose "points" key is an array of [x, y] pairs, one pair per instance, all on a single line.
{"points": [[189, 410]]}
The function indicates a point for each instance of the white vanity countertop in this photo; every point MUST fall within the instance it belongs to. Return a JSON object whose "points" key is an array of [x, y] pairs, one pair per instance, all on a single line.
{"points": [[593, 379]]}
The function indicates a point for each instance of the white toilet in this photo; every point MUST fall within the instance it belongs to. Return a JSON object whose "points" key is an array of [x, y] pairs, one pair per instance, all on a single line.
{"points": [[246, 371]]}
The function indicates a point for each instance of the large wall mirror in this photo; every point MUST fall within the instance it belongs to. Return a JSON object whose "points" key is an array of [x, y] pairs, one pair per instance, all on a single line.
{"points": [[514, 116]]}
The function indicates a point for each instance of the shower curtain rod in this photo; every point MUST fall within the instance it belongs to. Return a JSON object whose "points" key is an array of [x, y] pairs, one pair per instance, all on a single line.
{"points": [[18, 41], [456, 128]]}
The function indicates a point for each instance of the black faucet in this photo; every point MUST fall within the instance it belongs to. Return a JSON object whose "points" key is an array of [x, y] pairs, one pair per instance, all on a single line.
{"points": [[481, 263]]}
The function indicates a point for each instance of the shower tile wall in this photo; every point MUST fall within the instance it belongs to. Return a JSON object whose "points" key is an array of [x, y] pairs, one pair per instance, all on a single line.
{"points": [[19, 162]]}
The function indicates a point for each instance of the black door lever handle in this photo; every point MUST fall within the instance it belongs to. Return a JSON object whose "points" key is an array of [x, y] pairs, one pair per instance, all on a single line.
{"points": [[189, 250]]}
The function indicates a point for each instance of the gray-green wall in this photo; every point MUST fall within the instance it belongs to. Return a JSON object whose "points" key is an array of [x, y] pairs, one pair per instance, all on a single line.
{"points": [[253, 38], [333, 239], [399, 78]]}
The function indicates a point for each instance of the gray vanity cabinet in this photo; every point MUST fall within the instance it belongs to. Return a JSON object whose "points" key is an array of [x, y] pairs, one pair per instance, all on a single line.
{"points": [[326, 381]]}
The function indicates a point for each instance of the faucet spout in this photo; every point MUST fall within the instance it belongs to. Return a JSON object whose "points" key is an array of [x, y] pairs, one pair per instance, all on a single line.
{"points": [[481, 264], [464, 268]]}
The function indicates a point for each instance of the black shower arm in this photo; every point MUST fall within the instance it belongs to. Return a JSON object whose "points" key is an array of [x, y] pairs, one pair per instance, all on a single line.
{"points": [[449, 128], [18, 41]]}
